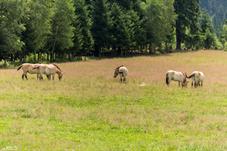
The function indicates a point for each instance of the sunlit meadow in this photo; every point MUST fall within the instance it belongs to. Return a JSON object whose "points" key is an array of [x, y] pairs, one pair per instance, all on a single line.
{"points": [[90, 110]]}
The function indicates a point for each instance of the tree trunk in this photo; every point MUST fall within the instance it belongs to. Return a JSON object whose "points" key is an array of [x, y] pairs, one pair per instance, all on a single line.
{"points": [[119, 52], [97, 51], [35, 57], [178, 36], [39, 56]]}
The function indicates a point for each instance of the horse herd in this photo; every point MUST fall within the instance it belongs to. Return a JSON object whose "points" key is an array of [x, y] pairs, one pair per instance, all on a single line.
{"points": [[41, 69], [196, 76], [51, 69]]}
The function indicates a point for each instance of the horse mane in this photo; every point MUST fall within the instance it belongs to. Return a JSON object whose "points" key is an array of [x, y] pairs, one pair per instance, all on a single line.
{"points": [[57, 66], [19, 67], [119, 66], [192, 75]]}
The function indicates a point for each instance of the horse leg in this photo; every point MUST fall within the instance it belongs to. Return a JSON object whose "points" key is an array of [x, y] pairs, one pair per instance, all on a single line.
{"points": [[182, 84], [168, 82], [124, 79], [53, 77], [41, 77], [179, 83], [120, 78], [196, 84], [38, 77], [26, 76]]}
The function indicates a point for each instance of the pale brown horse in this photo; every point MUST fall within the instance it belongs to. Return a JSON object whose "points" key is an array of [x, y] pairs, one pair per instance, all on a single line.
{"points": [[122, 71], [28, 68], [49, 70], [180, 77], [197, 78]]}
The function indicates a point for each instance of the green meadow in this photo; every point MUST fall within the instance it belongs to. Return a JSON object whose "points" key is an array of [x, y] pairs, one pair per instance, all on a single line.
{"points": [[89, 110]]}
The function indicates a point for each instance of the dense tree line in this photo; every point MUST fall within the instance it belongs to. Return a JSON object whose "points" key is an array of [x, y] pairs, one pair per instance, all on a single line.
{"points": [[58, 29]]}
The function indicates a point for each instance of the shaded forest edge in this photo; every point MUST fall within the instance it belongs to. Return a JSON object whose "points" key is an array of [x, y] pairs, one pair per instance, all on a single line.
{"points": [[60, 30]]}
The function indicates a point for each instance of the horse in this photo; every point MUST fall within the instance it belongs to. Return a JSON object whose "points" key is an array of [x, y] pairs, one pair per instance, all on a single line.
{"points": [[176, 76], [28, 68], [197, 78], [49, 70], [122, 71]]}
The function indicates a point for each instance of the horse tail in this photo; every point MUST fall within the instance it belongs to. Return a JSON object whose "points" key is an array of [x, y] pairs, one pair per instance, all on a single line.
{"points": [[192, 75], [57, 66], [167, 78], [19, 67]]}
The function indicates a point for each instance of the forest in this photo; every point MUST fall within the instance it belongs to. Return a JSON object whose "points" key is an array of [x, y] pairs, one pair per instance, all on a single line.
{"points": [[51, 30], [218, 12]]}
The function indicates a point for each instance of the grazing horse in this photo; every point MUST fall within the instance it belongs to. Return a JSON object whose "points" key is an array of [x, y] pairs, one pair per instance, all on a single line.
{"points": [[122, 71], [176, 76], [49, 70], [197, 78], [28, 68]]}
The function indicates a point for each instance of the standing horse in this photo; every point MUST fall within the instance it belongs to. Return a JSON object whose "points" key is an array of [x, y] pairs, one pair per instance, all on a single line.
{"points": [[197, 78], [176, 76], [49, 70], [122, 71], [28, 68]]}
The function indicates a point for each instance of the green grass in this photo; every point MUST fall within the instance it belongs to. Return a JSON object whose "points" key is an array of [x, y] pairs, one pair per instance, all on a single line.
{"points": [[101, 114]]}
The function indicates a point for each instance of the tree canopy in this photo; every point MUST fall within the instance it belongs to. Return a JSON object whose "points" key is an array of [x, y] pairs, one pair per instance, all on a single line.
{"points": [[62, 29]]}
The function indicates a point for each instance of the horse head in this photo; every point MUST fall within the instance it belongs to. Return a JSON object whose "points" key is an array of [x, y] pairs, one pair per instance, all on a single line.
{"points": [[185, 81], [60, 75]]}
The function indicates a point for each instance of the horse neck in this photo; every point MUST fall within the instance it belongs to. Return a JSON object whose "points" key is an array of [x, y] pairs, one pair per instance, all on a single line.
{"points": [[58, 72]]}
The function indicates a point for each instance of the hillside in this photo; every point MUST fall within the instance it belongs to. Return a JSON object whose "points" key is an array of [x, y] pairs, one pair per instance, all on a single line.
{"points": [[217, 9]]}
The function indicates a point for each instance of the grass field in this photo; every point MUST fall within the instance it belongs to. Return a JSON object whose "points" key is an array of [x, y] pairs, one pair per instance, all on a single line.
{"points": [[89, 110]]}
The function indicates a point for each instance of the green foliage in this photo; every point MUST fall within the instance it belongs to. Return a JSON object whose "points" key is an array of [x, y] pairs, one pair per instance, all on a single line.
{"points": [[100, 26], [67, 28], [119, 28], [83, 40], [62, 26], [11, 12], [159, 29], [187, 27], [207, 32], [38, 25], [224, 36]]}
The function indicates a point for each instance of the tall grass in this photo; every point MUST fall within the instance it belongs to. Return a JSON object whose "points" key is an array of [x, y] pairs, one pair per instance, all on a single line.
{"points": [[89, 110]]}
